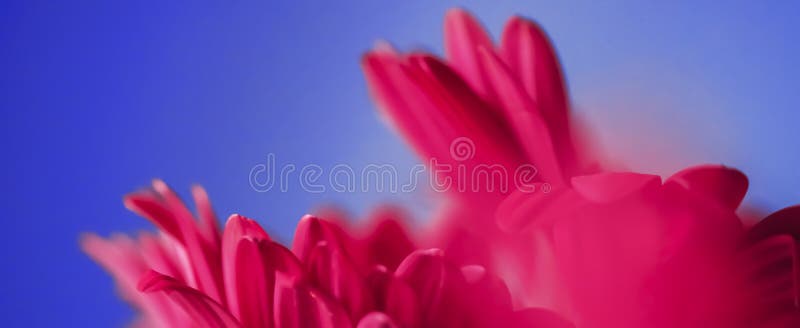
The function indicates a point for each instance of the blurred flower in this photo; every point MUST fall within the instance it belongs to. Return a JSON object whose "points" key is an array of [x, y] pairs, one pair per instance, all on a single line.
{"points": [[598, 247], [192, 275], [605, 249]]}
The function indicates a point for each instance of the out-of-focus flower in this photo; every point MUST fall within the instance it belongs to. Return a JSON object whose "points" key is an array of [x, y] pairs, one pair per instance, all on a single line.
{"points": [[193, 275], [600, 248], [605, 249]]}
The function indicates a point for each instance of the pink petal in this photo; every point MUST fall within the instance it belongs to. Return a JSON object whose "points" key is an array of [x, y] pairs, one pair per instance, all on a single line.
{"points": [[539, 318], [486, 296], [523, 210], [604, 253], [522, 112], [335, 274], [433, 108], [312, 230], [471, 116], [610, 187], [387, 243], [775, 276], [437, 287], [209, 227], [167, 211], [463, 36], [147, 205], [529, 53], [462, 246], [248, 272], [119, 256], [284, 261], [783, 222], [724, 184], [404, 103], [394, 297], [158, 256], [376, 320], [297, 305], [204, 310]]}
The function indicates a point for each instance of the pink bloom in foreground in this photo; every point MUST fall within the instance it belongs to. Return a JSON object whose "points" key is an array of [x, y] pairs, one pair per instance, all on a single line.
{"points": [[604, 249], [597, 248], [192, 275]]}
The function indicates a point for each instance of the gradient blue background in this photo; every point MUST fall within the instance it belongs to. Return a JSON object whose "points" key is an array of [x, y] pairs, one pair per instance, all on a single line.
{"points": [[98, 97]]}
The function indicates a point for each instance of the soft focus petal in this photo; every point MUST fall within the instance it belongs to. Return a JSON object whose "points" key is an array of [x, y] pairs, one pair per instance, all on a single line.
{"points": [[528, 52], [387, 243], [463, 36], [312, 230], [717, 182], [376, 320], [522, 209], [297, 305], [527, 121], [487, 298], [437, 286], [248, 271], [202, 309], [165, 209], [120, 257], [539, 318], [785, 221], [394, 297], [336, 274], [610, 187]]}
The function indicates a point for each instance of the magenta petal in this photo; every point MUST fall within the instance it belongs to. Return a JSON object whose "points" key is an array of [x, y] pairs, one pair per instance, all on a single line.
{"points": [[717, 182], [204, 255], [522, 210], [437, 287], [376, 320], [209, 227], [486, 297], [529, 53], [147, 205], [297, 305], [387, 243], [783, 222], [158, 255], [609, 187], [523, 113], [463, 36], [406, 105], [312, 230], [248, 272], [539, 318], [284, 261], [470, 116], [205, 311], [433, 108], [394, 297], [774, 276], [336, 274]]}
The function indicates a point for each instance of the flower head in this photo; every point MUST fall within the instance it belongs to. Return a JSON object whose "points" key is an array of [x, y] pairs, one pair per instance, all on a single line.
{"points": [[600, 248]]}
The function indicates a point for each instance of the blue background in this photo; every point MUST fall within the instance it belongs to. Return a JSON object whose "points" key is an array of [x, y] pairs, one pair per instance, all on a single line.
{"points": [[98, 97]]}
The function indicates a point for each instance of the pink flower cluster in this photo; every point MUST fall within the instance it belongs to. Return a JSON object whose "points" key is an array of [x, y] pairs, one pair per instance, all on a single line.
{"points": [[601, 249], [193, 275]]}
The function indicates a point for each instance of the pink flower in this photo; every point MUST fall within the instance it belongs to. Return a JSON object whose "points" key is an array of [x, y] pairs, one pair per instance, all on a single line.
{"points": [[191, 274], [597, 247], [605, 249]]}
